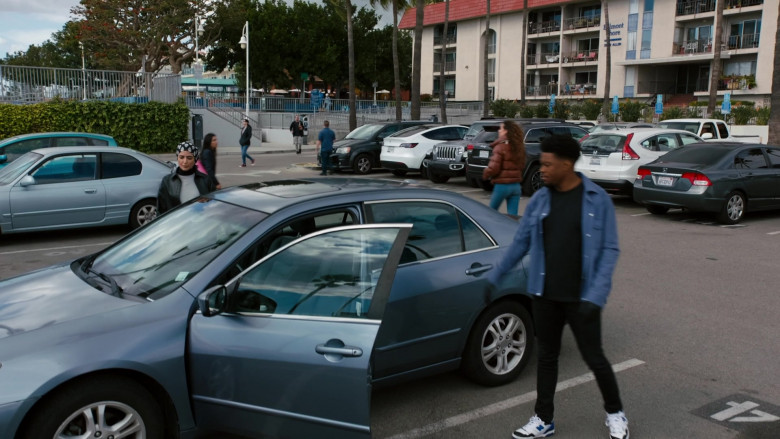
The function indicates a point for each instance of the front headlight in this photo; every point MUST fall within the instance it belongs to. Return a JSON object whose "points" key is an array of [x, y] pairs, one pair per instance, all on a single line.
{"points": [[343, 150], [462, 151]]}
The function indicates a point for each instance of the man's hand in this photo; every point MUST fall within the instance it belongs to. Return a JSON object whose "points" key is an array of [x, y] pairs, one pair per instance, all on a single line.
{"points": [[588, 310]]}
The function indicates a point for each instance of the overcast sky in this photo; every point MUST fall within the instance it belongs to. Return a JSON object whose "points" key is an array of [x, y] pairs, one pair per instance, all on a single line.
{"points": [[25, 22]]}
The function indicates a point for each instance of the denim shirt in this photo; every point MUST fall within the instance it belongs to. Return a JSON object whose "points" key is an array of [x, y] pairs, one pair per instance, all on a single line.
{"points": [[599, 243]]}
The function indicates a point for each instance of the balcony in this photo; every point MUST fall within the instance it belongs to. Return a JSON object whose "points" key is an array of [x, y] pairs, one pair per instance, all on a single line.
{"points": [[746, 41], [543, 27], [581, 22], [695, 7], [581, 56], [438, 40], [689, 47], [736, 4], [449, 66], [734, 82]]}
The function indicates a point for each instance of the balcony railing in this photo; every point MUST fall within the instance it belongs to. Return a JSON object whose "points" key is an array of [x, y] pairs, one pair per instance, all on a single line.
{"points": [[580, 56], [438, 40], [530, 60], [747, 41], [737, 82], [695, 7], [734, 4], [545, 26], [449, 66], [688, 47], [581, 22]]}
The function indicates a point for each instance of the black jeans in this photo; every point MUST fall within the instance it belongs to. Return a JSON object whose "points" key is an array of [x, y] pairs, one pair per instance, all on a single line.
{"points": [[325, 161], [549, 318]]}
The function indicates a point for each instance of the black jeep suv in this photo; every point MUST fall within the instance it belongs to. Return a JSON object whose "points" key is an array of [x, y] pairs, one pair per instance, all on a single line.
{"points": [[478, 157], [360, 149]]}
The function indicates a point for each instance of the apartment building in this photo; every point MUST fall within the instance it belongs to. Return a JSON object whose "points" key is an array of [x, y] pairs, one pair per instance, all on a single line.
{"points": [[656, 47]]}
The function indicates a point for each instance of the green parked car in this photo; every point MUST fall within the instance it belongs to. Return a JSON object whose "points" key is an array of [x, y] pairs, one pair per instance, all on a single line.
{"points": [[16, 146]]}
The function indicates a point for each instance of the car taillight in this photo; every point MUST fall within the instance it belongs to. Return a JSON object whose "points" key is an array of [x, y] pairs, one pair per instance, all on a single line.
{"points": [[582, 139], [628, 153], [469, 147], [697, 178], [407, 145], [642, 173]]}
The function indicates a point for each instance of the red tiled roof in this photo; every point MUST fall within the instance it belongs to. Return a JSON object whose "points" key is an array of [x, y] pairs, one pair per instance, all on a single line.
{"points": [[465, 9]]}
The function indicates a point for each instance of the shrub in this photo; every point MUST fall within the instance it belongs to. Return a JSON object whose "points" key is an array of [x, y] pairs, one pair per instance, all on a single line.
{"points": [[591, 108], [504, 108], [561, 109], [542, 111], [426, 97], [631, 111], [672, 113], [762, 116], [526, 111], [742, 114]]}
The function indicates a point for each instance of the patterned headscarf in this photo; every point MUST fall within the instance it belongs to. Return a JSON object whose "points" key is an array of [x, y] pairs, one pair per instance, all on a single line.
{"points": [[189, 147]]}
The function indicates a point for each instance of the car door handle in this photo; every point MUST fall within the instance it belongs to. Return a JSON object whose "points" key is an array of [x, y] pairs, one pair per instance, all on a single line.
{"points": [[90, 191], [346, 351], [477, 269]]}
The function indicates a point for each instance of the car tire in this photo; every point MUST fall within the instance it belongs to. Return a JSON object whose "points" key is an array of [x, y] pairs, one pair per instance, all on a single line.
{"points": [[532, 181], [144, 212], [399, 172], [485, 185], [423, 172], [437, 178], [362, 164], [117, 406], [733, 209], [505, 325], [657, 210]]}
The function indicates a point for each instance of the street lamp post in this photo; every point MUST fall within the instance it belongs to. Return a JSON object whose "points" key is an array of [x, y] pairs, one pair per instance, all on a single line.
{"points": [[83, 74], [244, 43], [197, 72]]}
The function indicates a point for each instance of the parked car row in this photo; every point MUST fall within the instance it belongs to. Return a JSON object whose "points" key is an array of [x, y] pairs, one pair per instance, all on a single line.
{"points": [[14, 147]]}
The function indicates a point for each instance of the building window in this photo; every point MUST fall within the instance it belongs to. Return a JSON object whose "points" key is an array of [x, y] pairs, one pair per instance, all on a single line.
{"points": [[491, 41], [449, 86], [491, 70], [645, 53], [745, 34], [649, 4], [739, 68], [591, 11], [449, 61], [452, 34]]}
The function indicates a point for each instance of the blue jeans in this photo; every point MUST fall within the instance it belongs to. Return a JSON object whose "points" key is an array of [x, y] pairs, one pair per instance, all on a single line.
{"points": [[325, 160], [245, 155], [510, 192]]}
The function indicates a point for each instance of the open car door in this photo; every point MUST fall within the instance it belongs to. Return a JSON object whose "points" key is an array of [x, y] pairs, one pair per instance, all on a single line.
{"points": [[284, 349]]}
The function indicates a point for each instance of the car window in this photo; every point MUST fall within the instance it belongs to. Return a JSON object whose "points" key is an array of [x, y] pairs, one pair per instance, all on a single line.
{"points": [[486, 137], [389, 130], [750, 159], [603, 144], [692, 127], [774, 157], [11, 172], [474, 130], [701, 154], [98, 142], [407, 132], [460, 133], [438, 231], [67, 168], [15, 150], [440, 134], [723, 130], [661, 142], [115, 165], [329, 275], [535, 135], [688, 139], [708, 128], [576, 133], [70, 141]]}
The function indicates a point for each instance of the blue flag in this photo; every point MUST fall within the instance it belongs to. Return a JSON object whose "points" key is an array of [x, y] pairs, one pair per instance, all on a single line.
{"points": [[725, 108], [615, 107], [552, 102], [659, 104]]}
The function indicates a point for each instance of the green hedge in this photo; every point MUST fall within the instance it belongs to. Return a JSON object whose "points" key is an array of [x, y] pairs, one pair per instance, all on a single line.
{"points": [[152, 128]]}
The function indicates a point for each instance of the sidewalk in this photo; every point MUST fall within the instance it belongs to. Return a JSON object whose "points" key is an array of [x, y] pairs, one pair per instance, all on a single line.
{"points": [[264, 148]]}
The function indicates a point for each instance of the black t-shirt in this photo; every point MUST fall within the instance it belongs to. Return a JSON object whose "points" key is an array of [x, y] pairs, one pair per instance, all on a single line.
{"points": [[296, 128], [563, 246]]}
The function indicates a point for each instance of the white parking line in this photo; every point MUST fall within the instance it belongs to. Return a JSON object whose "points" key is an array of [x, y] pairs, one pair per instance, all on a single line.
{"points": [[774, 233], [491, 409], [642, 214], [54, 248]]}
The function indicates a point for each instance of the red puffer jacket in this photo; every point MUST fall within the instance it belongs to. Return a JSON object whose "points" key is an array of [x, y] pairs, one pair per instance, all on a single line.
{"points": [[503, 167]]}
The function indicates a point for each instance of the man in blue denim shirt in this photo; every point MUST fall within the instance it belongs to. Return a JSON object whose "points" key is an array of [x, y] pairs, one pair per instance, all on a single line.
{"points": [[570, 231]]}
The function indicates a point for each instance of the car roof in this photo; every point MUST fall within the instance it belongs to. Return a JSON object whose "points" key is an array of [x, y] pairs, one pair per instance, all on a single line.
{"points": [[424, 129], [643, 130], [55, 134], [85, 149], [272, 196]]}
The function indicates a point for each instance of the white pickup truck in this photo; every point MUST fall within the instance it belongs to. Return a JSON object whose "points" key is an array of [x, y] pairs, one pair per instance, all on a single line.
{"points": [[711, 130]]}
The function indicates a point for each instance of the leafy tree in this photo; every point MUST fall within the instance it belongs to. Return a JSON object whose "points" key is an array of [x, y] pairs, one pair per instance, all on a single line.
{"points": [[396, 5], [717, 65]]}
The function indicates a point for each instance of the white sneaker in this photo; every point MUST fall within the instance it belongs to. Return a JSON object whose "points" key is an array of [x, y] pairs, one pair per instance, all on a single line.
{"points": [[618, 425], [534, 428]]}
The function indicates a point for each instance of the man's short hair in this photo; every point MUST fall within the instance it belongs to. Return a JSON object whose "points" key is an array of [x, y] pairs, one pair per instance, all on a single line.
{"points": [[563, 147], [327, 123]]}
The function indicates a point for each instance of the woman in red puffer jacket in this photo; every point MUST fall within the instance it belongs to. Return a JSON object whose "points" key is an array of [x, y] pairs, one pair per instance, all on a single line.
{"points": [[505, 169]]}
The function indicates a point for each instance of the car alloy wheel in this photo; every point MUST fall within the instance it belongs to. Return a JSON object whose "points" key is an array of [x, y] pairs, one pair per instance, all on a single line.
{"points": [[733, 209], [144, 212], [532, 181], [362, 164]]}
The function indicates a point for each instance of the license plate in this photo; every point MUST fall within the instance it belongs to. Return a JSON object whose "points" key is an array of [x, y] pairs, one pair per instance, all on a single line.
{"points": [[484, 154], [595, 161], [665, 181], [390, 148]]}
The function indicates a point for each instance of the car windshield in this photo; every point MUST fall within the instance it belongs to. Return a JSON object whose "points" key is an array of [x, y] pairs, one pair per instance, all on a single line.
{"points": [[693, 127], [473, 131], [488, 136], [9, 173], [607, 143], [162, 255], [697, 154], [366, 132], [408, 132]]}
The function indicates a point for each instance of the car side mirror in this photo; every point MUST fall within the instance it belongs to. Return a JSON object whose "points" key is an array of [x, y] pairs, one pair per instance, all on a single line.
{"points": [[213, 301], [27, 180], [706, 136], [3, 158]]}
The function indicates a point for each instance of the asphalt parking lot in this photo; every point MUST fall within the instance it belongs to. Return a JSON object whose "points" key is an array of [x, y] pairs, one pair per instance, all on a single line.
{"points": [[691, 327]]}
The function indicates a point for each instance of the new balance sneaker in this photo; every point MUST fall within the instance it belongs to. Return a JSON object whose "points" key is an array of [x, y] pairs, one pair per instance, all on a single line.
{"points": [[618, 425], [535, 428]]}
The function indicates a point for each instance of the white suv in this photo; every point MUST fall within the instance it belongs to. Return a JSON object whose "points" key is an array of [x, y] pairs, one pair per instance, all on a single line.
{"points": [[406, 149], [611, 158]]}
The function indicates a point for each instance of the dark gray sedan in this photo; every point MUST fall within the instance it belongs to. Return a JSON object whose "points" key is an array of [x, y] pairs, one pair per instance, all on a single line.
{"points": [[726, 178], [267, 310]]}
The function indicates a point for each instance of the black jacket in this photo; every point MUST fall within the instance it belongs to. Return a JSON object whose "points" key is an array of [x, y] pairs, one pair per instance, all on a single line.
{"points": [[296, 128], [170, 190], [246, 136], [209, 161]]}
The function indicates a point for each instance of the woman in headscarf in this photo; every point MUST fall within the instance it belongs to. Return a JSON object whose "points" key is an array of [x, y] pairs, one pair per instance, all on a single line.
{"points": [[185, 183]]}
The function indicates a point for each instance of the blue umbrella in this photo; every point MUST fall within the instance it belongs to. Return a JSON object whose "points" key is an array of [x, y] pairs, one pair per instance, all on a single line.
{"points": [[725, 108], [659, 104], [615, 107]]}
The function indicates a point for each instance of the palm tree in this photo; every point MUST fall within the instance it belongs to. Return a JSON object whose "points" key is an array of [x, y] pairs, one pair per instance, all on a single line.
{"points": [[416, 70], [608, 59], [485, 89], [524, 41], [774, 99], [717, 67], [442, 103], [396, 5]]}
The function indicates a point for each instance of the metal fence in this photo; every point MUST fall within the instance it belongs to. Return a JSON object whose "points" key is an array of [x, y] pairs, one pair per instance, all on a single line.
{"points": [[29, 85]]}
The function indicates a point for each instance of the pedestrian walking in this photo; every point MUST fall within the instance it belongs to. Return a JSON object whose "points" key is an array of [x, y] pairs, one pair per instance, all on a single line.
{"points": [[325, 146], [569, 229], [296, 129], [505, 168], [185, 183], [244, 141], [208, 158]]}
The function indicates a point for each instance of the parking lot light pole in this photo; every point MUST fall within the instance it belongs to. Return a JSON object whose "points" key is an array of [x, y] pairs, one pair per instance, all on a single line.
{"points": [[83, 74], [244, 43], [198, 32]]}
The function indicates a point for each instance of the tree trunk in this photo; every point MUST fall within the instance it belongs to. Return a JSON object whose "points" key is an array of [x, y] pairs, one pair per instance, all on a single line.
{"points": [[774, 99], [396, 64], [485, 88], [608, 60], [524, 41], [416, 68], [442, 91], [351, 49], [717, 66]]}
